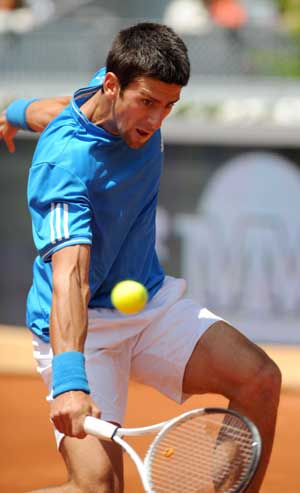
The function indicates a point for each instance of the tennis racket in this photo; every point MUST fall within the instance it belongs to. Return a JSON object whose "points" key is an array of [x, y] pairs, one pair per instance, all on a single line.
{"points": [[208, 450]]}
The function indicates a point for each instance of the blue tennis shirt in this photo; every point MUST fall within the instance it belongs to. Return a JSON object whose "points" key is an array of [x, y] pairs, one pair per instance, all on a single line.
{"points": [[86, 186]]}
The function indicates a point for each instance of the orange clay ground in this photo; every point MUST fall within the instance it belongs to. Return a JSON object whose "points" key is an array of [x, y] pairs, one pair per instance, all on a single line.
{"points": [[28, 457]]}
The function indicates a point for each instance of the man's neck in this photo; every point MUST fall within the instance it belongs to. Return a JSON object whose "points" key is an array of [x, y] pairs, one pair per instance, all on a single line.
{"points": [[99, 111]]}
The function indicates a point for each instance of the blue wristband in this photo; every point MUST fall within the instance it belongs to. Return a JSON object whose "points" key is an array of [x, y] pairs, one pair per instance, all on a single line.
{"points": [[68, 373], [16, 113]]}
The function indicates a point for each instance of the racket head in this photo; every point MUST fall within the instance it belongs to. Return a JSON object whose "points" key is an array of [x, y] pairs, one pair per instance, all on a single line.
{"points": [[207, 450]]}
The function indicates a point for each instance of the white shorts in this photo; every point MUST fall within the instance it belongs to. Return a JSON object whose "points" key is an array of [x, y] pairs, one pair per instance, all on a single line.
{"points": [[152, 347]]}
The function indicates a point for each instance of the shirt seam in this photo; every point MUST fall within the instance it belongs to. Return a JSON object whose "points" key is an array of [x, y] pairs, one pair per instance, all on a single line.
{"points": [[86, 239]]}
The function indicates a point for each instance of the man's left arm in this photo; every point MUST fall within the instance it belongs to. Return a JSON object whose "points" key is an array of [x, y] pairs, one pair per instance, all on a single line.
{"points": [[31, 115]]}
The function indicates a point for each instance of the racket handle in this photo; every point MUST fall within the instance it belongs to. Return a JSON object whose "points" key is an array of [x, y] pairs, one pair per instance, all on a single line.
{"points": [[99, 428]]}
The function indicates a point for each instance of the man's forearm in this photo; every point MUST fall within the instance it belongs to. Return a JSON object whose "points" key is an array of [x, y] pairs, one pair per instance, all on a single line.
{"points": [[40, 113], [72, 401], [68, 321], [29, 114], [34, 114], [68, 324], [68, 331]]}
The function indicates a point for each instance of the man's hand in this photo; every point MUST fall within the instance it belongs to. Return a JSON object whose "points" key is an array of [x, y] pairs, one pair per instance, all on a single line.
{"points": [[69, 410], [7, 133]]}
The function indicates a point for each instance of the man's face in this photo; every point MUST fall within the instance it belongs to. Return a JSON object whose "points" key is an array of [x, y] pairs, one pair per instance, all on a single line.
{"points": [[140, 109]]}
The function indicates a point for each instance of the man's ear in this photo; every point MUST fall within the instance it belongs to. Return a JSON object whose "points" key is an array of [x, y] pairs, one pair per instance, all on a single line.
{"points": [[111, 85]]}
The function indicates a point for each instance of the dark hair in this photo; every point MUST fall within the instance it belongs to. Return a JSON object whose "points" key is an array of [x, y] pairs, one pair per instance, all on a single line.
{"points": [[151, 50]]}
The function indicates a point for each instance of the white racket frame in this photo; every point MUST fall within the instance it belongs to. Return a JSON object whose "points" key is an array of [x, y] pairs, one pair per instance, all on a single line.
{"points": [[108, 431]]}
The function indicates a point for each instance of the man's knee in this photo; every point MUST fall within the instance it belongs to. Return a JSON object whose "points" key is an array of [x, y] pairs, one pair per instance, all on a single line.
{"points": [[93, 466], [104, 483], [260, 380], [267, 381]]}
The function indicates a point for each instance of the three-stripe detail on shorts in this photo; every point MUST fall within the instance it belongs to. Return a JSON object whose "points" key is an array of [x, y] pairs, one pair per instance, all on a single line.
{"points": [[59, 222]]}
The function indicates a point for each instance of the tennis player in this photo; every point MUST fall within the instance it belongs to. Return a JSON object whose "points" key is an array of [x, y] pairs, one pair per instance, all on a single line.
{"points": [[92, 194]]}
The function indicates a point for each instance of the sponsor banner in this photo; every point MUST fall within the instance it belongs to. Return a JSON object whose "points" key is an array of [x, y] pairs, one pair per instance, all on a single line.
{"points": [[240, 247]]}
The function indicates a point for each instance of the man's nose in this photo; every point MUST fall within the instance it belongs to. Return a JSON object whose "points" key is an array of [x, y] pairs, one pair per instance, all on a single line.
{"points": [[156, 119]]}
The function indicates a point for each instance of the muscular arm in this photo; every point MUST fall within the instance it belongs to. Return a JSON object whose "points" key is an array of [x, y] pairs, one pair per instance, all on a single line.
{"points": [[68, 330], [68, 324], [38, 115]]}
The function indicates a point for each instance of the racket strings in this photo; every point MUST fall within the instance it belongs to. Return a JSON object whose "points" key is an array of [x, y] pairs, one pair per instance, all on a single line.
{"points": [[201, 455]]}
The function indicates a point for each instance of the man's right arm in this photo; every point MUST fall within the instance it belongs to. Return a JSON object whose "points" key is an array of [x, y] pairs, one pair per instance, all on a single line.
{"points": [[37, 116], [68, 330]]}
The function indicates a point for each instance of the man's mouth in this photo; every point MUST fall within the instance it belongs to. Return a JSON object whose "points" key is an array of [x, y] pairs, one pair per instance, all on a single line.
{"points": [[142, 133]]}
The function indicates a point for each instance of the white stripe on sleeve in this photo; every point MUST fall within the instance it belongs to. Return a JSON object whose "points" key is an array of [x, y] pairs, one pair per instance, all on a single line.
{"points": [[57, 222], [52, 234], [66, 218]]}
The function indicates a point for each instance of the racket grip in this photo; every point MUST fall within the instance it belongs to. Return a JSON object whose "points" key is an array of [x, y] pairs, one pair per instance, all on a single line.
{"points": [[99, 428]]}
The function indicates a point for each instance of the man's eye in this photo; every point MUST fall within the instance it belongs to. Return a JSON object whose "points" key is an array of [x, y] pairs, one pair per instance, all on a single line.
{"points": [[147, 102]]}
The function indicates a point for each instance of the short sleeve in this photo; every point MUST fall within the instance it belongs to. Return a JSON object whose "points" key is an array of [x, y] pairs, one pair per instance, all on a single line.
{"points": [[60, 209]]}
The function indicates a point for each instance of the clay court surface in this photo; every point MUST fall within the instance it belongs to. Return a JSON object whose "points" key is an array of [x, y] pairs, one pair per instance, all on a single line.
{"points": [[28, 453]]}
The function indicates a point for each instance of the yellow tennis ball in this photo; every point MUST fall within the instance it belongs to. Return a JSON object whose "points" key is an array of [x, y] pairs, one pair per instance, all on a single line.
{"points": [[129, 297]]}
